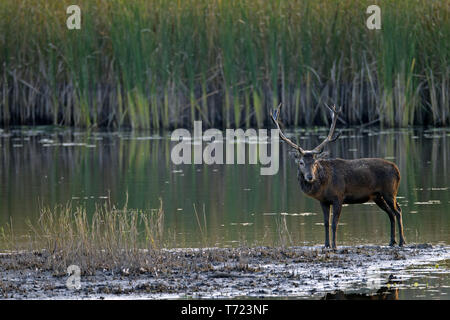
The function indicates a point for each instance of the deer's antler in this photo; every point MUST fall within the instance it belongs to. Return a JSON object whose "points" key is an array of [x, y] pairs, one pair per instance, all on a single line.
{"points": [[334, 116], [275, 115]]}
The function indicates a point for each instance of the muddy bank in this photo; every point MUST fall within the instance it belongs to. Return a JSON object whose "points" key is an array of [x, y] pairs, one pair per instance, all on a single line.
{"points": [[305, 272]]}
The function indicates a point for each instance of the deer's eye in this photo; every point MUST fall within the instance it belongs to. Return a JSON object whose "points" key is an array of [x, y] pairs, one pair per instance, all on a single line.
{"points": [[302, 164]]}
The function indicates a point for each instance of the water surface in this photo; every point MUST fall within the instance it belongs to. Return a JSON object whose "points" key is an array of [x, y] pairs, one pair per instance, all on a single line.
{"points": [[49, 166]]}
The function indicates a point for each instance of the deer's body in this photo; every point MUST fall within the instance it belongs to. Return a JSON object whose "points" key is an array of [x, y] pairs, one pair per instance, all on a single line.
{"points": [[351, 181], [334, 182]]}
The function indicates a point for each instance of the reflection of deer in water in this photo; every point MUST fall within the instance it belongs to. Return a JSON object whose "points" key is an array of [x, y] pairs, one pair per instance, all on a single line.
{"points": [[335, 182]]}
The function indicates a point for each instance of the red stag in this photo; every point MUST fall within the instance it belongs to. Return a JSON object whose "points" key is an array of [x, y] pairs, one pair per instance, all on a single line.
{"points": [[334, 182]]}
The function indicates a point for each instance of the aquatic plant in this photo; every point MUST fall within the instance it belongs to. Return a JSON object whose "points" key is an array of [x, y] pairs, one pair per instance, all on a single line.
{"points": [[110, 238], [152, 64]]}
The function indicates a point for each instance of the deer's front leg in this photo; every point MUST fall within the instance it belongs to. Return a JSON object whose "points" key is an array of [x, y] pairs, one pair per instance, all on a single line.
{"points": [[326, 223], [337, 207]]}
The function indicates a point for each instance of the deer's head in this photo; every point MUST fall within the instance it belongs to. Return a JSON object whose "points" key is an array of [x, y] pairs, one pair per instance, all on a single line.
{"points": [[308, 159]]}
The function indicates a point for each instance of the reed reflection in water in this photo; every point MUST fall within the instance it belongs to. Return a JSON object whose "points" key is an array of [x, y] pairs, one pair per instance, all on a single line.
{"points": [[50, 166]]}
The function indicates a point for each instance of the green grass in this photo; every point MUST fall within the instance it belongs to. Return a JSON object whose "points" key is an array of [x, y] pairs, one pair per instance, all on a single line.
{"points": [[166, 63]]}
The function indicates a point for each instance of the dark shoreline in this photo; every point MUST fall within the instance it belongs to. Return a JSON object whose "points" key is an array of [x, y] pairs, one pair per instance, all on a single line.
{"points": [[374, 272]]}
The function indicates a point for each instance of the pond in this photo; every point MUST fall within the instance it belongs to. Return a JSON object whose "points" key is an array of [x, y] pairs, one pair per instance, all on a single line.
{"points": [[235, 204], [222, 205]]}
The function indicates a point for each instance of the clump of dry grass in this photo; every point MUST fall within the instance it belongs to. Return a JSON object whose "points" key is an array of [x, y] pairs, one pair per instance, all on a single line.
{"points": [[109, 239]]}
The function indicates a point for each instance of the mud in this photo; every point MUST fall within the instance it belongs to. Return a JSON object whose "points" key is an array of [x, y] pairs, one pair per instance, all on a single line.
{"points": [[357, 272]]}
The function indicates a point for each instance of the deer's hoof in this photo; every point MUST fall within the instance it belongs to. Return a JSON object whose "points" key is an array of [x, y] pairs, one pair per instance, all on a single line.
{"points": [[392, 243], [402, 243]]}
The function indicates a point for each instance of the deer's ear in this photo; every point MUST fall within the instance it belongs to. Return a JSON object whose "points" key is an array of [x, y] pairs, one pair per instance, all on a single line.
{"points": [[296, 154], [322, 155]]}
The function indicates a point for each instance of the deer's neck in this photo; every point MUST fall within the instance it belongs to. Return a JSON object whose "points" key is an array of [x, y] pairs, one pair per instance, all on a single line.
{"points": [[314, 188]]}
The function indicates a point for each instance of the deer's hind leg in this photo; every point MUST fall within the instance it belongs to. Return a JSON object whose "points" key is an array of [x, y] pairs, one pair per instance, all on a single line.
{"points": [[386, 208], [393, 204]]}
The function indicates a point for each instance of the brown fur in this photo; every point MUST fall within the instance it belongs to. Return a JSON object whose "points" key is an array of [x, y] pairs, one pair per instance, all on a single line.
{"points": [[339, 181], [352, 181], [335, 182]]}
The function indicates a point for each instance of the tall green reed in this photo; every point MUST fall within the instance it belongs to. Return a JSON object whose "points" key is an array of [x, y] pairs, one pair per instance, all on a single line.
{"points": [[151, 64]]}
